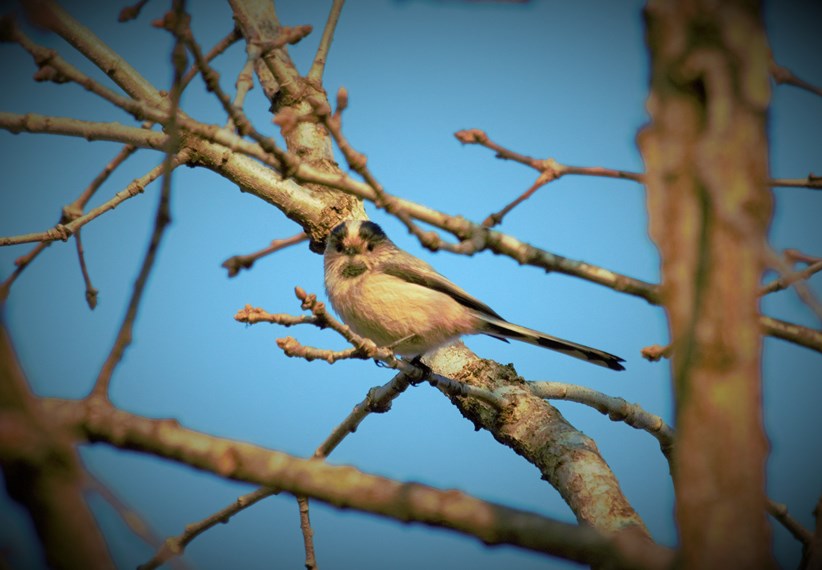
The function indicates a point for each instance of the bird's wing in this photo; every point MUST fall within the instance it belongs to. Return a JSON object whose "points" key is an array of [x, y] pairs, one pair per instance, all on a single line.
{"points": [[413, 270]]}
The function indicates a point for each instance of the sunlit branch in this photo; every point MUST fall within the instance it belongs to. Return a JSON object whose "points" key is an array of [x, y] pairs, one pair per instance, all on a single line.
{"points": [[797, 334], [617, 409], [51, 15], [347, 487], [89, 130], [321, 57]]}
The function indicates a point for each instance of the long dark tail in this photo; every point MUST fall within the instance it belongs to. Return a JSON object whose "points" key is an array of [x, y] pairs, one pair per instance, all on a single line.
{"points": [[501, 328]]}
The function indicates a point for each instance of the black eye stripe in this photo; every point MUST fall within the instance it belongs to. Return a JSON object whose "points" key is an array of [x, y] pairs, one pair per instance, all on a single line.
{"points": [[370, 232], [339, 231]]}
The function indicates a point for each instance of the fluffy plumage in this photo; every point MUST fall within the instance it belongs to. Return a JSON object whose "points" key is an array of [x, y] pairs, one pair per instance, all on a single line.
{"points": [[398, 300]]}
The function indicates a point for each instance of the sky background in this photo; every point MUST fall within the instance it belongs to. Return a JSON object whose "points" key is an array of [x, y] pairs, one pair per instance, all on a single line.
{"points": [[549, 79]]}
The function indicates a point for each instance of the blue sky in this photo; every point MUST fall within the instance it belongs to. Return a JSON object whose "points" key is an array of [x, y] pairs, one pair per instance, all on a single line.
{"points": [[549, 79]]}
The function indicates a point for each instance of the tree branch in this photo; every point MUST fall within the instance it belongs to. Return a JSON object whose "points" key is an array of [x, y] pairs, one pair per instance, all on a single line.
{"points": [[346, 487], [43, 473], [320, 58], [89, 130]]}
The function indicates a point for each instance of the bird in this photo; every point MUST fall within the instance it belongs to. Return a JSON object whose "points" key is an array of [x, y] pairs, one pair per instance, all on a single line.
{"points": [[399, 301]]}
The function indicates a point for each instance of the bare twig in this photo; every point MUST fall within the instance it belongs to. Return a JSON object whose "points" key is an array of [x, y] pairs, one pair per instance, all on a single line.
{"points": [[779, 511], [656, 352], [218, 49], [64, 231], [131, 12], [378, 400], [174, 546], [21, 263], [129, 516], [91, 292], [237, 263], [318, 65], [787, 279], [308, 533], [811, 181], [783, 266], [549, 170], [162, 218], [783, 75], [617, 409], [797, 334], [89, 130], [496, 218]]}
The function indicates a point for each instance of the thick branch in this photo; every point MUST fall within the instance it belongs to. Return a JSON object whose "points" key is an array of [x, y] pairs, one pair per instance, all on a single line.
{"points": [[43, 473], [537, 431], [346, 487]]}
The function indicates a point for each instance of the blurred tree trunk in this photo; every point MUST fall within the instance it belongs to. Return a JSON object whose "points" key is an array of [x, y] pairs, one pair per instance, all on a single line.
{"points": [[709, 207]]}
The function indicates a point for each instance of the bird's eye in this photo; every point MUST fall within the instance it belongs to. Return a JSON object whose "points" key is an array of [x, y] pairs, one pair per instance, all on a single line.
{"points": [[339, 247], [370, 246]]}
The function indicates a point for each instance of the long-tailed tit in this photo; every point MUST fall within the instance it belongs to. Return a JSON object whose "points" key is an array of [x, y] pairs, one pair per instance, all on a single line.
{"points": [[398, 300]]}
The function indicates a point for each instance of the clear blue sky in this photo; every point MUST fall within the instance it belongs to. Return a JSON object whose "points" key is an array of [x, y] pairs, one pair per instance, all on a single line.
{"points": [[549, 79]]}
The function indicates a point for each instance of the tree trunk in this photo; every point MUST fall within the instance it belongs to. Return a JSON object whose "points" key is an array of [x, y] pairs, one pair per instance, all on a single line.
{"points": [[709, 207]]}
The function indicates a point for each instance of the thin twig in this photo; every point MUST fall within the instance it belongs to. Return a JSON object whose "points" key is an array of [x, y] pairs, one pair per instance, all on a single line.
{"points": [[783, 75], [64, 231], [656, 352], [219, 48], [802, 290], [812, 181], [358, 162], [787, 279], [496, 218], [91, 292], [21, 263], [243, 84], [237, 263], [161, 221], [378, 400], [129, 516], [174, 546], [131, 12], [548, 168], [308, 533], [779, 511], [617, 409], [321, 57], [236, 114]]}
